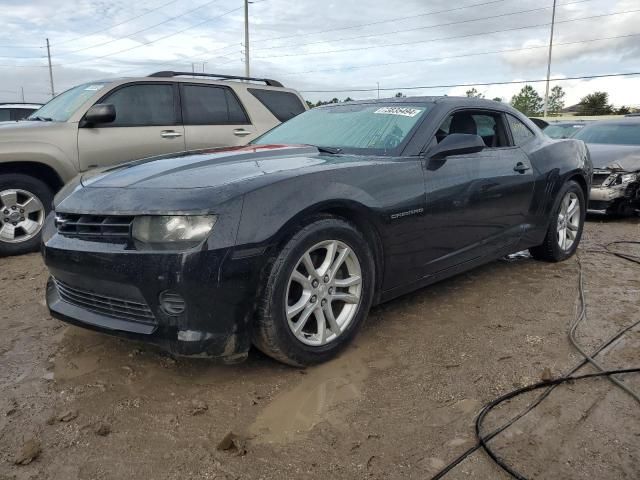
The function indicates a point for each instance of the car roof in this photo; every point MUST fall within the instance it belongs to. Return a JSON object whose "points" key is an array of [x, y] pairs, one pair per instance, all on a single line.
{"points": [[618, 121], [20, 105]]}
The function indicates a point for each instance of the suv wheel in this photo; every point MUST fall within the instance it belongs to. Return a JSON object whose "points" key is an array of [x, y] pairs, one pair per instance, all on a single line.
{"points": [[318, 293], [565, 228], [24, 204]]}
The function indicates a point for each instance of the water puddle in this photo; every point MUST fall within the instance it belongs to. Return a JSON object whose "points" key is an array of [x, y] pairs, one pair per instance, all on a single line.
{"points": [[327, 392]]}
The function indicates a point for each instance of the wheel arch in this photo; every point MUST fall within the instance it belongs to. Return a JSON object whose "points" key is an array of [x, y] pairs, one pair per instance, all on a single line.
{"points": [[350, 211], [37, 170], [580, 180]]}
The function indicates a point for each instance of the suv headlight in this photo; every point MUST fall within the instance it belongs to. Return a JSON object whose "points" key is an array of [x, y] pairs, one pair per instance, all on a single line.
{"points": [[172, 229]]}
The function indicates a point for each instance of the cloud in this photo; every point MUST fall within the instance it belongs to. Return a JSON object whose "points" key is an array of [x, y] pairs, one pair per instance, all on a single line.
{"points": [[436, 43]]}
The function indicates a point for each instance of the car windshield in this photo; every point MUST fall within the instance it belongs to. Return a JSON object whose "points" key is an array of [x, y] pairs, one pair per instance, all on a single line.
{"points": [[611, 133], [562, 131], [60, 108], [359, 128]]}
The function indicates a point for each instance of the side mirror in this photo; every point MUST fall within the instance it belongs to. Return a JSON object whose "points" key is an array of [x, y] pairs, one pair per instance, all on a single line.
{"points": [[456, 144], [100, 113]]}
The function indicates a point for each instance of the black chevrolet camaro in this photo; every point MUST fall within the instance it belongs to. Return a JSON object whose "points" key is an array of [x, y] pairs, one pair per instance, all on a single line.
{"points": [[286, 243]]}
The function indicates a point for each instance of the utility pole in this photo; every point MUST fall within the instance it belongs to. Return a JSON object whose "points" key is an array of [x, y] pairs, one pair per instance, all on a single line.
{"points": [[546, 94], [53, 92], [378, 83], [246, 39], [22, 92]]}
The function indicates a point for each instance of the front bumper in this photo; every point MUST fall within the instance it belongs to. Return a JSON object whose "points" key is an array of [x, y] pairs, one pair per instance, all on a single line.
{"points": [[107, 288]]}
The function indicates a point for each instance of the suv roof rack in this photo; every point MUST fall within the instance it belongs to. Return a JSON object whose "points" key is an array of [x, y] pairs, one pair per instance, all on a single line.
{"points": [[170, 73]]}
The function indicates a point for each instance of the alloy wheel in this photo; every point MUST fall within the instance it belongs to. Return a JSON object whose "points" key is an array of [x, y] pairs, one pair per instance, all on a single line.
{"points": [[569, 219], [21, 215], [323, 293]]}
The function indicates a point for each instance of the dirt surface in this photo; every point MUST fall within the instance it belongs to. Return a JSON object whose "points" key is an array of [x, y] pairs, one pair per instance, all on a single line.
{"points": [[399, 403]]}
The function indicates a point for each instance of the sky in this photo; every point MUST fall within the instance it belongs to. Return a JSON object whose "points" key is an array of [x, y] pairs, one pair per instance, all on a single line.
{"points": [[317, 47]]}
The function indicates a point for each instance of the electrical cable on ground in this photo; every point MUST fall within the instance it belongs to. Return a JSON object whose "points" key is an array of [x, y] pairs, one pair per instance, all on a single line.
{"points": [[552, 384]]}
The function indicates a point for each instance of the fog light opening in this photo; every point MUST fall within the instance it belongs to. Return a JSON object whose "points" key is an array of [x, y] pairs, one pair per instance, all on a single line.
{"points": [[172, 303]]}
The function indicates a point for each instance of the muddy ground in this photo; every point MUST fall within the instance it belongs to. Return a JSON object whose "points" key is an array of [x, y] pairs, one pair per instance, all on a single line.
{"points": [[399, 403]]}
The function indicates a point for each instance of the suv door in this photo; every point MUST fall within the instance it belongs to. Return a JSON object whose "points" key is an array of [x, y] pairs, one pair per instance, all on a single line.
{"points": [[213, 117], [147, 123], [477, 203]]}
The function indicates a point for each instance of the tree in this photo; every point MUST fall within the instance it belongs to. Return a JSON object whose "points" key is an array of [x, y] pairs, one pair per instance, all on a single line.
{"points": [[310, 104], [527, 101], [497, 99], [400, 95], [473, 93], [556, 100], [596, 103], [623, 110], [348, 99]]}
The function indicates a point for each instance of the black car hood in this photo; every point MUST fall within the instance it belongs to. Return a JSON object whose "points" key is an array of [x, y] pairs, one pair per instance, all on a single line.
{"points": [[615, 157], [208, 168]]}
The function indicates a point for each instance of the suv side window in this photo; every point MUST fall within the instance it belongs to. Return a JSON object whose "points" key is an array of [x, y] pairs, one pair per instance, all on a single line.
{"points": [[519, 131], [211, 105], [488, 125], [143, 105], [5, 114], [283, 105]]}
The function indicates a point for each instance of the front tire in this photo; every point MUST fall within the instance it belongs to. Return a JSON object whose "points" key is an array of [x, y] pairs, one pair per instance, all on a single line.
{"points": [[565, 228], [24, 203], [318, 293]]}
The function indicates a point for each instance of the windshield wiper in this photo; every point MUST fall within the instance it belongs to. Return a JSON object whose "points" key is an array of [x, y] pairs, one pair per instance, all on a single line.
{"points": [[41, 119], [331, 150]]}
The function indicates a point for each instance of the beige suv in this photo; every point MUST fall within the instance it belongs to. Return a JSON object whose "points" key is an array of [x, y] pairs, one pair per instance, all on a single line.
{"points": [[113, 121]]}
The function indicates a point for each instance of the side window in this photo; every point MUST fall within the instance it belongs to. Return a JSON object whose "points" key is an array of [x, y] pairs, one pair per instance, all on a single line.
{"points": [[520, 132], [20, 113], [143, 105], [488, 125], [5, 114], [283, 105], [206, 105]]}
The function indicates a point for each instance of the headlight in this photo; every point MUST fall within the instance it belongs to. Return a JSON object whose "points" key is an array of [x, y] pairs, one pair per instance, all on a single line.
{"points": [[627, 178], [172, 229]]}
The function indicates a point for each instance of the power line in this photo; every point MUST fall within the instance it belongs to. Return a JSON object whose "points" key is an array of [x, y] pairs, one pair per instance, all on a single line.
{"points": [[116, 24], [514, 82], [396, 19], [446, 38], [464, 55], [70, 52], [459, 22], [140, 31], [150, 41]]}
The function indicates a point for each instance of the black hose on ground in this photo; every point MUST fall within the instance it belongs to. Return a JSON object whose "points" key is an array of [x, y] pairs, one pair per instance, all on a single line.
{"points": [[552, 384]]}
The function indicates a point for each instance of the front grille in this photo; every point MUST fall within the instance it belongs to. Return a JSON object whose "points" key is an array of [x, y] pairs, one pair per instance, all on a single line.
{"points": [[105, 305], [95, 227]]}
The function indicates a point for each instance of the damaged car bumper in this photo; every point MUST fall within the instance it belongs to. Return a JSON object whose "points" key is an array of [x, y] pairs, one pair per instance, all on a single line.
{"points": [[163, 298], [614, 192]]}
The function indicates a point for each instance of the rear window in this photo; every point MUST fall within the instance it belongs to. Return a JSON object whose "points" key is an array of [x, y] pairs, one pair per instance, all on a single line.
{"points": [[283, 105], [611, 133], [205, 105]]}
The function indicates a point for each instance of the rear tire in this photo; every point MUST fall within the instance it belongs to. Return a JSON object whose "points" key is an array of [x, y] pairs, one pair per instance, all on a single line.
{"points": [[24, 203], [566, 225], [318, 292]]}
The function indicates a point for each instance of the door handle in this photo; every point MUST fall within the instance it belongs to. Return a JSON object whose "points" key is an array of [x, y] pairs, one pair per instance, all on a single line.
{"points": [[241, 132], [170, 134], [521, 167]]}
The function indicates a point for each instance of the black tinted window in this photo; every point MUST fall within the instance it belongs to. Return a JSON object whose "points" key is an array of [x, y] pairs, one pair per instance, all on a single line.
{"points": [[20, 113], [283, 105], [143, 105], [204, 105], [520, 132], [5, 114]]}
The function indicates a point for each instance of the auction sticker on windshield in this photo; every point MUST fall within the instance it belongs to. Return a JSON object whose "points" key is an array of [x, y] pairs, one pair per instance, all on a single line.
{"points": [[403, 111], [93, 88]]}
